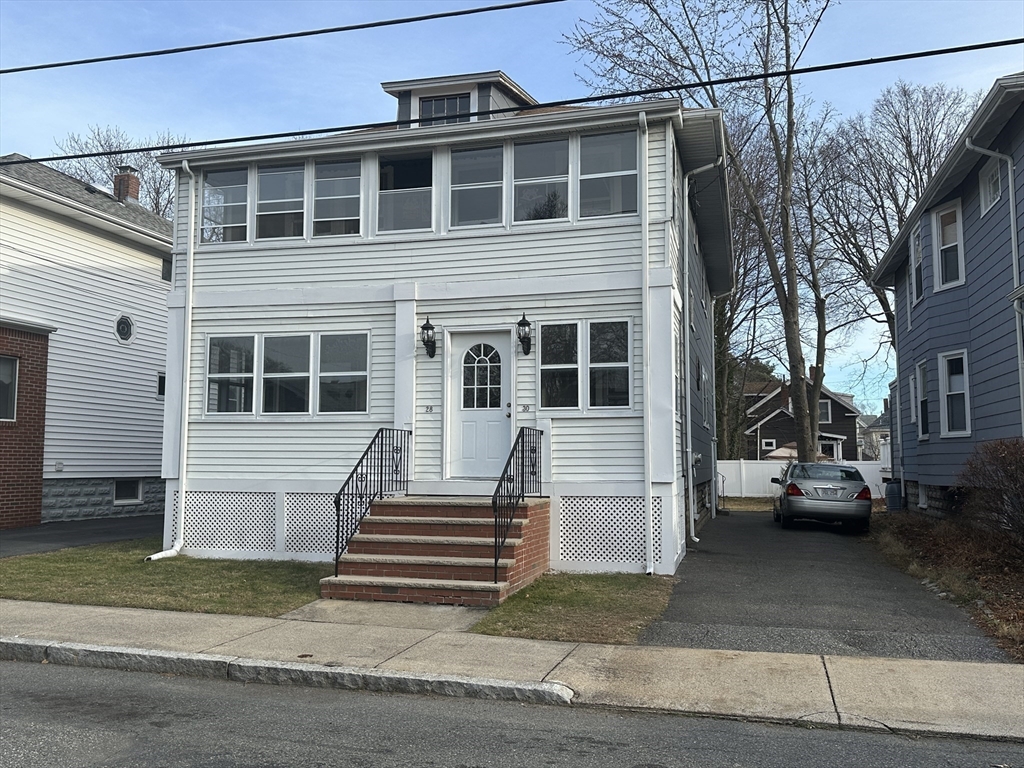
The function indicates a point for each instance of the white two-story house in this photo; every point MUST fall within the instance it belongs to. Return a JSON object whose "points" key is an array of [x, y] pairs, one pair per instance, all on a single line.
{"points": [[460, 276]]}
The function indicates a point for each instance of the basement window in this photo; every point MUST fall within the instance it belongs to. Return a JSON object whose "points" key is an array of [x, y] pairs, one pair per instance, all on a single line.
{"points": [[127, 492]]}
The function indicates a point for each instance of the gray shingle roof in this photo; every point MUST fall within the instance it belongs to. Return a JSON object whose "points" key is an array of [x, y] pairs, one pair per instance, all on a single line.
{"points": [[50, 180]]}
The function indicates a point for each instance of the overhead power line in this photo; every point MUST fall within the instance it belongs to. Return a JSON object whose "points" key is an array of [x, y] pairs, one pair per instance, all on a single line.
{"points": [[562, 103], [284, 36]]}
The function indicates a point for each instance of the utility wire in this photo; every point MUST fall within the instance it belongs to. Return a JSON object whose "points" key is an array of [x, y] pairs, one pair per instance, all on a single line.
{"points": [[285, 36], [545, 105]]}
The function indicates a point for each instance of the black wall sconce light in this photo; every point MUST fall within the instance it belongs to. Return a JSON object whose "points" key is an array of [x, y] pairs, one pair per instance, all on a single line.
{"points": [[427, 337], [524, 329]]}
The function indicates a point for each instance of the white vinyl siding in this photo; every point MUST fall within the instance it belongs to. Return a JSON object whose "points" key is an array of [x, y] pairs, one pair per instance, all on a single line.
{"points": [[101, 416], [954, 394]]}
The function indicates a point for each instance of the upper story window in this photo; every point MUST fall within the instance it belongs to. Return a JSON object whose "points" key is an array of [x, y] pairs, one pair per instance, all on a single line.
{"points": [[917, 265], [476, 186], [336, 198], [988, 184], [824, 411], [608, 177], [406, 184], [541, 176], [922, 400], [948, 247], [225, 205], [8, 388], [445, 110], [279, 201]]}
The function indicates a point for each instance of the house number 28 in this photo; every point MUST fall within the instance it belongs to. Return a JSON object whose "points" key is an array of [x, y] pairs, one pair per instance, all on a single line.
{"points": [[429, 409]]}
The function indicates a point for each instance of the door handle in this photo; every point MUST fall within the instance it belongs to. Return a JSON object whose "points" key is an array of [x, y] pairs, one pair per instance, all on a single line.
{"points": [[508, 414]]}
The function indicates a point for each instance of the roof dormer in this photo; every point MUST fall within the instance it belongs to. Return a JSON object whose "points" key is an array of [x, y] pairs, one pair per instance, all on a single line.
{"points": [[452, 99]]}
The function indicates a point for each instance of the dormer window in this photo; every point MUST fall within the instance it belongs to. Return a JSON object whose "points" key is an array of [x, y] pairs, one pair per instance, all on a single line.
{"points": [[405, 200], [445, 110]]}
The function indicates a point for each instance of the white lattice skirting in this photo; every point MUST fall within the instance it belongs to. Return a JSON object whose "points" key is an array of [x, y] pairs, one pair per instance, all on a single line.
{"points": [[605, 530]]}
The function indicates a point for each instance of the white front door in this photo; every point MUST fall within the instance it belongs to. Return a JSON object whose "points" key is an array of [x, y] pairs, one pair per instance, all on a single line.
{"points": [[480, 409]]}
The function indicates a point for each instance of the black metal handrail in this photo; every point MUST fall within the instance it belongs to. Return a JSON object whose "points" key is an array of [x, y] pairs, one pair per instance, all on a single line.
{"points": [[520, 478], [382, 470]]}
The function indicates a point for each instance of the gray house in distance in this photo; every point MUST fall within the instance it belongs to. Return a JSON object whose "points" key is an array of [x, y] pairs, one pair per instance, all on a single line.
{"points": [[957, 273]]}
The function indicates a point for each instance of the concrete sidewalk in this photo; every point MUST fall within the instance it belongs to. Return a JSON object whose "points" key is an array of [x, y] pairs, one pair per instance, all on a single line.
{"points": [[426, 649]]}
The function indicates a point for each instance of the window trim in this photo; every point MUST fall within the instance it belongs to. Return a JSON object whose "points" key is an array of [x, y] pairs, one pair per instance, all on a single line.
{"points": [[916, 262], [434, 189], [137, 499], [500, 184], [765, 444], [923, 419], [990, 167], [262, 411], [311, 196], [912, 385], [161, 378], [276, 167], [17, 370], [572, 169], [249, 206], [937, 284], [257, 396], [944, 430], [582, 367], [829, 404], [580, 176]]}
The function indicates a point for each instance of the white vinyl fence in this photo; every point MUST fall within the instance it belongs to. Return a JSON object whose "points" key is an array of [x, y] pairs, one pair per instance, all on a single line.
{"points": [[753, 478]]}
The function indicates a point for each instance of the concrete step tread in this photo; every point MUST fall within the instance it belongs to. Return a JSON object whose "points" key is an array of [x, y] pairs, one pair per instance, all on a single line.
{"points": [[451, 501], [413, 520], [399, 581], [425, 560], [385, 538]]}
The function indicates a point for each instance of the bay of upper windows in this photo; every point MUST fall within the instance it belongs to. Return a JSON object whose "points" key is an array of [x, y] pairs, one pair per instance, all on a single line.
{"points": [[507, 184]]}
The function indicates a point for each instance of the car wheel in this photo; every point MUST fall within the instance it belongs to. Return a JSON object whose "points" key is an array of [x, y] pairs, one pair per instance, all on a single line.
{"points": [[775, 515], [786, 520]]}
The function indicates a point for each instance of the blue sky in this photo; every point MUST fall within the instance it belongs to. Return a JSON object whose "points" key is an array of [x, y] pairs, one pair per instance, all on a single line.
{"points": [[333, 80]]}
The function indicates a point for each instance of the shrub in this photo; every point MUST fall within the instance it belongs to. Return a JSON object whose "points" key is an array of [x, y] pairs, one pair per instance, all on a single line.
{"points": [[994, 479]]}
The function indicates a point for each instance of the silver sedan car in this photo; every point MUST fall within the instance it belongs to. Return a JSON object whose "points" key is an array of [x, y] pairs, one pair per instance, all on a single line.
{"points": [[825, 492]]}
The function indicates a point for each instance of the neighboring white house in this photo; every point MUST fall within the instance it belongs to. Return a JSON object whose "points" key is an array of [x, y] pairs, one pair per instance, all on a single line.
{"points": [[304, 271], [89, 270]]}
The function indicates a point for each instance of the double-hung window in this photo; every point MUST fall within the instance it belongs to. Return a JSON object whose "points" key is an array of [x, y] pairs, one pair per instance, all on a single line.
{"points": [[286, 374], [922, 400], [280, 193], [948, 247], [824, 411], [476, 186], [599, 356], [955, 413], [608, 177], [230, 374], [343, 373], [917, 264], [445, 110], [336, 198], [406, 188], [225, 205], [8, 388], [912, 386], [988, 184], [541, 180]]}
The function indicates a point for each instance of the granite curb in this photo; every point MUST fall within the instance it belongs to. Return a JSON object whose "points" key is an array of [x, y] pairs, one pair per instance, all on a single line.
{"points": [[243, 670]]}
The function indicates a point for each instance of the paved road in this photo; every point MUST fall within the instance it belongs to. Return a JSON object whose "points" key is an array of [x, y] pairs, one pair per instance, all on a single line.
{"points": [[71, 717], [751, 586], [76, 533]]}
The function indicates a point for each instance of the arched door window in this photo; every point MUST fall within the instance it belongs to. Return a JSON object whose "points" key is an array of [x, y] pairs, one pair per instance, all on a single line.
{"points": [[481, 377]]}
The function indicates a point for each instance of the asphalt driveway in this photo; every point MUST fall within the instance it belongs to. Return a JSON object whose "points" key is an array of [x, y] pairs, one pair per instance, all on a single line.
{"points": [[751, 586], [49, 537]]}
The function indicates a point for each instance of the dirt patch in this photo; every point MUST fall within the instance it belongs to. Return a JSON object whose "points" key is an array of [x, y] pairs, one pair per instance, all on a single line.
{"points": [[744, 504], [971, 567]]}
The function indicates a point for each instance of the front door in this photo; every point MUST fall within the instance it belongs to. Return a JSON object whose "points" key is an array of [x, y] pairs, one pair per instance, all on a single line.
{"points": [[480, 411]]}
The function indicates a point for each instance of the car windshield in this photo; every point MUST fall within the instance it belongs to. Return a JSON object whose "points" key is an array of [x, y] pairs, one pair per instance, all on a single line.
{"points": [[825, 472]]}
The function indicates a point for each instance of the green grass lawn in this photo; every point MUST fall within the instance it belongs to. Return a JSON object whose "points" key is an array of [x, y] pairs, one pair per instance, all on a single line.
{"points": [[584, 608], [117, 575]]}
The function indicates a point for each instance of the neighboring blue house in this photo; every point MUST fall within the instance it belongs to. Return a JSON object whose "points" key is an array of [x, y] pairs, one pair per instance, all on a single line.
{"points": [[957, 273]]}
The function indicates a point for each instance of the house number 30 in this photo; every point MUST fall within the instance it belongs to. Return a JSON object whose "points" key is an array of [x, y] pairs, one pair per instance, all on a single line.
{"points": [[525, 408]]}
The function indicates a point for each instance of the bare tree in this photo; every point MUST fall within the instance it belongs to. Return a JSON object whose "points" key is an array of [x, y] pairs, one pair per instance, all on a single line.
{"points": [[879, 166], [156, 184], [640, 44]]}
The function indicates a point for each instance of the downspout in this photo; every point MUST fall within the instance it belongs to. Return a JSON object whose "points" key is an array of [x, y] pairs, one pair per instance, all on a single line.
{"points": [[691, 494], [645, 321], [1015, 250], [186, 343]]}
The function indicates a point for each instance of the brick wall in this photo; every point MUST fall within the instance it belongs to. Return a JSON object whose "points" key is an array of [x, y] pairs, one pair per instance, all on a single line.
{"points": [[21, 440]]}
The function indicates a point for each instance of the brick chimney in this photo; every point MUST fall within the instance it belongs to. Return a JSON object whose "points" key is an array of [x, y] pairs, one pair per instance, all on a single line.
{"points": [[813, 371], [784, 395], [126, 184]]}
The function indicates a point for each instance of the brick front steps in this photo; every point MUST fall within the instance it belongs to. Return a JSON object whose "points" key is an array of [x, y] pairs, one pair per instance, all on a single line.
{"points": [[434, 549]]}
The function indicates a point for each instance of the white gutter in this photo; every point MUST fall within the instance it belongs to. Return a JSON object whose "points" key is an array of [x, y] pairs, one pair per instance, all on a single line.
{"points": [[186, 343], [646, 322], [1015, 250], [691, 495]]}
